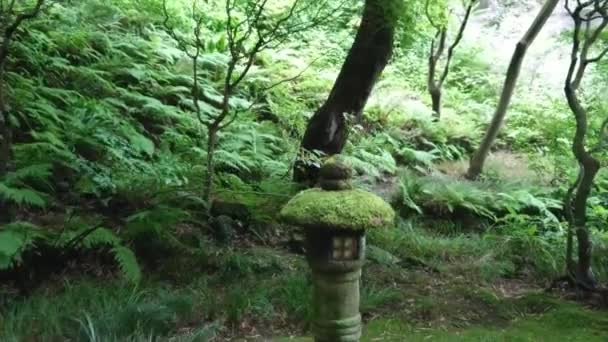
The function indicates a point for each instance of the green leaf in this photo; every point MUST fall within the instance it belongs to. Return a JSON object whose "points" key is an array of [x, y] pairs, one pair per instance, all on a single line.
{"points": [[22, 196], [128, 263], [142, 144], [11, 243]]}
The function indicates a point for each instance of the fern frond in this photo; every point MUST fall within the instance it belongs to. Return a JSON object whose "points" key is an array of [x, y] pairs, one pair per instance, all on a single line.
{"points": [[16, 238], [128, 263], [22, 196], [101, 237], [36, 171]]}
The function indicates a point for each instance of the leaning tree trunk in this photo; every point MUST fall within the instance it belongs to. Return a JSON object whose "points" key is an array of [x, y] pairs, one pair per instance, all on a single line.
{"points": [[479, 157], [327, 129]]}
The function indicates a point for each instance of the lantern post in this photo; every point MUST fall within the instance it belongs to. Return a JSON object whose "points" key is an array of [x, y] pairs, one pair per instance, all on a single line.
{"points": [[335, 218]]}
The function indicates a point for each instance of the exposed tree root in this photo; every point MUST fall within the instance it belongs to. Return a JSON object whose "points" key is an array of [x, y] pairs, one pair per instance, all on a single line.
{"points": [[596, 295]]}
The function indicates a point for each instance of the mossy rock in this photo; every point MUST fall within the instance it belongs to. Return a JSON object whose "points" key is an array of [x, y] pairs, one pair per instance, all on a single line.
{"points": [[335, 185], [346, 210], [336, 168]]}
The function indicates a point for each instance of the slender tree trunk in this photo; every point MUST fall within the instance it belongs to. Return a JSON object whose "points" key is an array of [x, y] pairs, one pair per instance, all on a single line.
{"points": [[570, 264], [584, 273], [211, 145], [479, 156], [327, 130], [589, 167], [433, 85], [212, 130], [436, 100]]}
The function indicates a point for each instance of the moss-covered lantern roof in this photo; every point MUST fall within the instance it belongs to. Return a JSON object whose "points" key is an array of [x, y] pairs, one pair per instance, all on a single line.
{"points": [[336, 205]]}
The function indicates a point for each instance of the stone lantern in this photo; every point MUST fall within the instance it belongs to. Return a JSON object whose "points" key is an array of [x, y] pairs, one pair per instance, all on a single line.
{"points": [[335, 218]]}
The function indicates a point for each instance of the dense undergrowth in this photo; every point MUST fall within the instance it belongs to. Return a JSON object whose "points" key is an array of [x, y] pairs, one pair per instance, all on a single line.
{"points": [[110, 240]]}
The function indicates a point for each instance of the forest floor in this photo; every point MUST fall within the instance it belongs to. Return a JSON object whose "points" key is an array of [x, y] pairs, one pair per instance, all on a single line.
{"points": [[449, 291], [486, 313], [425, 280], [558, 324]]}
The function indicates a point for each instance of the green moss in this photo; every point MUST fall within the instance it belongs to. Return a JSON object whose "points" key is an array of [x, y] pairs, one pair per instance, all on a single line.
{"points": [[348, 209], [336, 168], [567, 322]]}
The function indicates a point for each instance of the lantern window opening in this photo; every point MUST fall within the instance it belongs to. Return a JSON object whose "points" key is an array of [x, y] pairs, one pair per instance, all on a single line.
{"points": [[344, 248]]}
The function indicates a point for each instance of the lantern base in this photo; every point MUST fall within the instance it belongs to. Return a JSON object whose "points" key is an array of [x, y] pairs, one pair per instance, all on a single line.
{"points": [[343, 330], [336, 301]]}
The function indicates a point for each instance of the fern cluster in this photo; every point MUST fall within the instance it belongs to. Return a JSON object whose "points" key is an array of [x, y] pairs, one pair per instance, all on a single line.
{"points": [[20, 238], [499, 202], [103, 117]]}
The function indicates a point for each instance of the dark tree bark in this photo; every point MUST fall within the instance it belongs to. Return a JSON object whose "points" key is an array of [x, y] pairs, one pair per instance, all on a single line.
{"points": [[569, 215], [479, 157], [589, 166], [327, 130], [584, 37], [436, 95], [438, 45]]}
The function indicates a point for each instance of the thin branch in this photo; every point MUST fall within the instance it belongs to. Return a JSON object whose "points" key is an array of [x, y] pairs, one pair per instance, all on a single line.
{"points": [[599, 56], [457, 40], [428, 15], [248, 64], [182, 44], [441, 47], [603, 138], [195, 86], [575, 50], [266, 89], [12, 28], [579, 56], [293, 78], [317, 19]]}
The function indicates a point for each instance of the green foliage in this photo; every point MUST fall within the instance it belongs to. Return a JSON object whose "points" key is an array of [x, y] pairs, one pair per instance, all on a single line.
{"points": [[128, 263], [109, 311], [15, 239], [553, 323], [19, 238], [16, 188], [344, 209], [374, 297], [295, 294], [108, 160], [443, 195]]}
